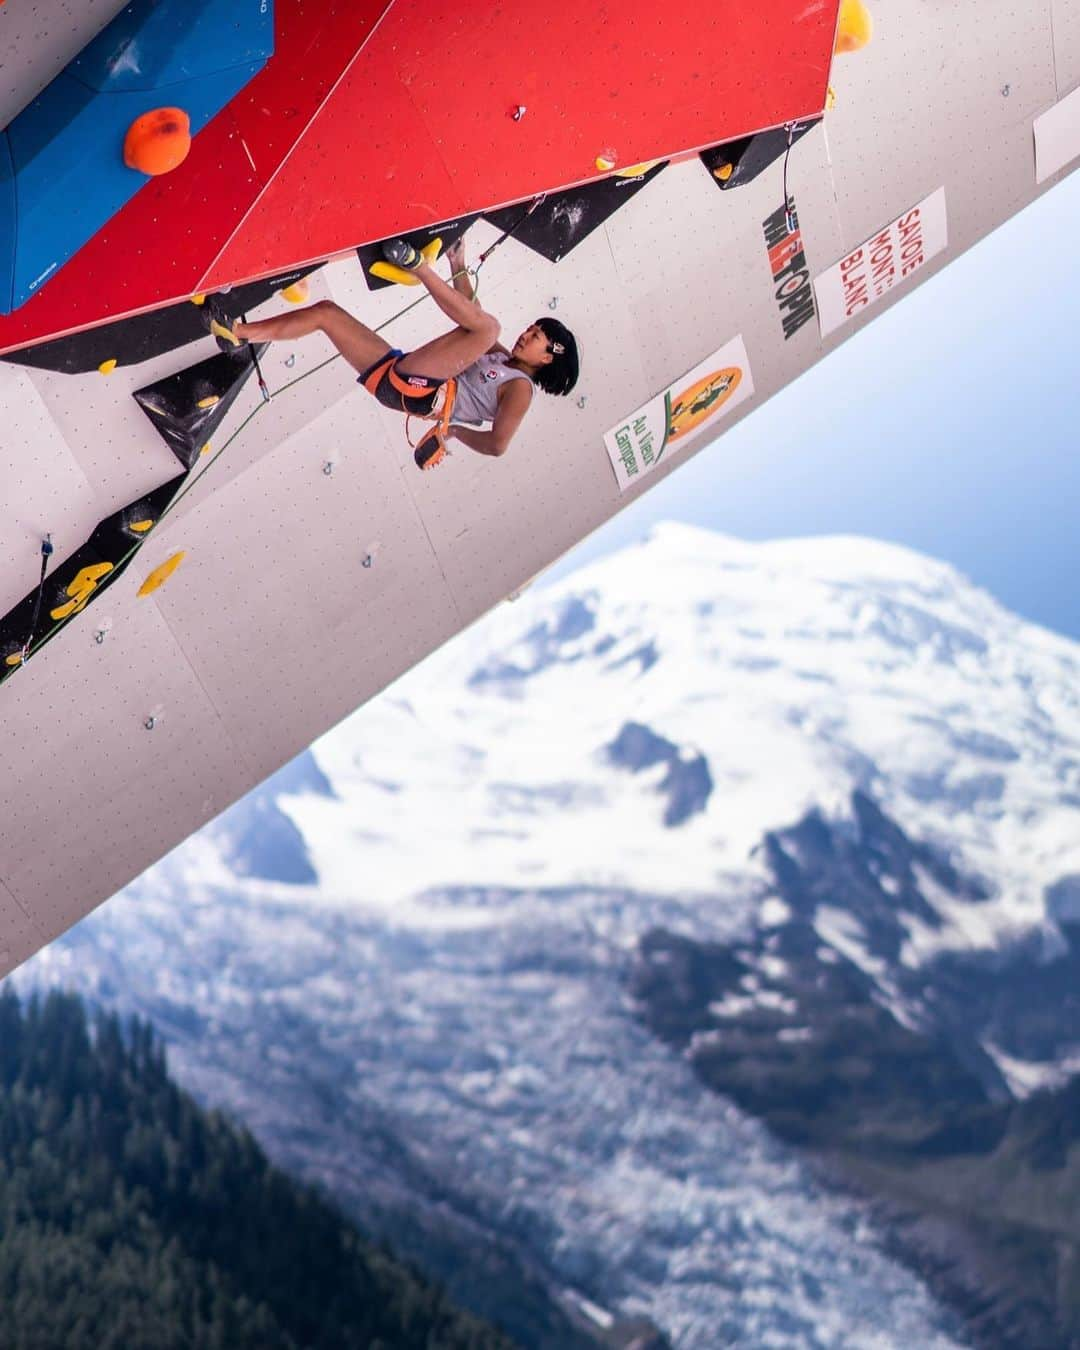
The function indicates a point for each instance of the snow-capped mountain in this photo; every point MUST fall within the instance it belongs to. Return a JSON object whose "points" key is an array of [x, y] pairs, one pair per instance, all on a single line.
{"points": [[420, 961], [772, 678]]}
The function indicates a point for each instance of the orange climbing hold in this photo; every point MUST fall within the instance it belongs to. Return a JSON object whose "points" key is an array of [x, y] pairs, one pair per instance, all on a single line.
{"points": [[158, 141]]}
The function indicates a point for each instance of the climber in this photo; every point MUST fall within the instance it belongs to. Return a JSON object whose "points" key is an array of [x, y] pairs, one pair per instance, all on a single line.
{"points": [[464, 378]]}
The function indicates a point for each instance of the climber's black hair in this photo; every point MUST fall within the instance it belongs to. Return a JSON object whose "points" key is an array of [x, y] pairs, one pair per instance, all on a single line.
{"points": [[561, 374]]}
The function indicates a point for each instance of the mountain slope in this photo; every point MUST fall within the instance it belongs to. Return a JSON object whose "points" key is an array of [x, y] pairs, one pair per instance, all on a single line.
{"points": [[131, 1218], [791, 672], [790, 1021], [833, 763]]}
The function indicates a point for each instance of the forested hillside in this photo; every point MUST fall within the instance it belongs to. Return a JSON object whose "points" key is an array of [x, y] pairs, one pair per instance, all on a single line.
{"points": [[131, 1218]]}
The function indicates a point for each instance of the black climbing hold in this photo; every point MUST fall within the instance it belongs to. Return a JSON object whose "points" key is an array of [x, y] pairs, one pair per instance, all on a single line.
{"points": [[750, 156], [81, 578], [564, 219], [187, 408]]}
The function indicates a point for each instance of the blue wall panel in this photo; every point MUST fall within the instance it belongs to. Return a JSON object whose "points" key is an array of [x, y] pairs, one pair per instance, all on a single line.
{"points": [[65, 175]]}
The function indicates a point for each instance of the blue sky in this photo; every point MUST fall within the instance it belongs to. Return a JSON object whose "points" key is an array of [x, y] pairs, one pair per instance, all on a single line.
{"points": [[949, 424]]}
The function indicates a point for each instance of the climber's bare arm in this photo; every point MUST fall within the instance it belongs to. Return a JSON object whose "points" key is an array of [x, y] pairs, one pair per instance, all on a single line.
{"points": [[455, 256], [514, 400]]}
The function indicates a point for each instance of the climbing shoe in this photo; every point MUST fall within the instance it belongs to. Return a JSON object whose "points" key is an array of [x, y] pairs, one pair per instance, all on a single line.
{"points": [[430, 450], [400, 253], [402, 275], [220, 326]]}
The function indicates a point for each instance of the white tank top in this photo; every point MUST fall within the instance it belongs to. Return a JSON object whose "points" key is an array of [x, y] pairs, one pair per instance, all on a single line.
{"points": [[478, 388]]}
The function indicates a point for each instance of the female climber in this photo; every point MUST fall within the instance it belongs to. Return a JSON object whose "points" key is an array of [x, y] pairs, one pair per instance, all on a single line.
{"points": [[462, 377]]}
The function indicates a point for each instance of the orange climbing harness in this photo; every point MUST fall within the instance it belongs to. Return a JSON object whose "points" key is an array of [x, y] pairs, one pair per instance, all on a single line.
{"points": [[415, 396]]}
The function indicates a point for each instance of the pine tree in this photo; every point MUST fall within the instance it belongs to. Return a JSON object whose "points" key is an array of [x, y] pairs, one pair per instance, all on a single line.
{"points": [[131, 1219]]}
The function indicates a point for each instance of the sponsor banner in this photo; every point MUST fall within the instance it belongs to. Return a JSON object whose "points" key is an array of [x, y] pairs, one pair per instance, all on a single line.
{"points": [[875, 267], [667, 422], [787, 261], [1057, 137]]}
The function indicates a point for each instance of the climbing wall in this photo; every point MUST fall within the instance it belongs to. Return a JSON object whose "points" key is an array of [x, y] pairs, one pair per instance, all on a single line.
{"points": [[318, 563], [353, 132]]}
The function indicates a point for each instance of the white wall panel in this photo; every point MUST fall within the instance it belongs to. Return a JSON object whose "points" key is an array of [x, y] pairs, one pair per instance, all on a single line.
{"points": [[927, 93], [106, 431], [89, 797], [274, 608], [43, 490], [1066, 20]]}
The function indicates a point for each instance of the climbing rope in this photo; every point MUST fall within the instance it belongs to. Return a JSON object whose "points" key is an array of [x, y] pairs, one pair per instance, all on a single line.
{"points": [[789, 215], [29, 647], [46, 554], [263, 387], [507, 234]]}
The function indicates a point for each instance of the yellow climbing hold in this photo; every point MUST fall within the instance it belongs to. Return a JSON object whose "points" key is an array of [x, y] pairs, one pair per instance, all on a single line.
{"points": [[723, 172], [297, 293], [388, 272], [208, 402], [198, 299], [80, 589], [206, 449], [605, 162], [141, 526], [220, 330], [830, 99], [635, 170], [160, 575], [15, 659], [855, 28], [107, 367]]}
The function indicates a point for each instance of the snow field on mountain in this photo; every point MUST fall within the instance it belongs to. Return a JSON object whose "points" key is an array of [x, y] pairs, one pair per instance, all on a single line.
{"points": [[799, 669]]}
